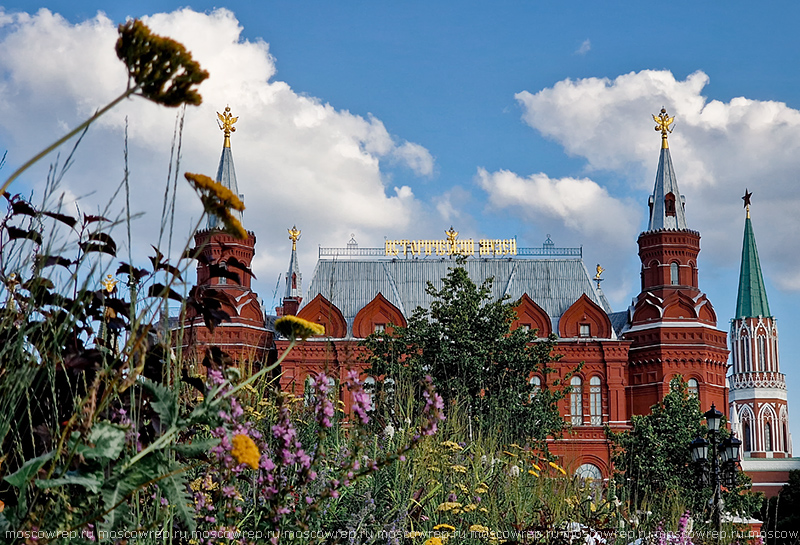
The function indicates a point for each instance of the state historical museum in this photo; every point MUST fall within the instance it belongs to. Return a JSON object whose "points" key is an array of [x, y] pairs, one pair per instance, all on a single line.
{"points": [[630, 356]]}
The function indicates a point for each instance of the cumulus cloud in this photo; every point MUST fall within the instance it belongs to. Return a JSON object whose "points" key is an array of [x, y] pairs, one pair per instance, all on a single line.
{"points": [[584, 48], [718, 148], [299, 160], [580, 204]]}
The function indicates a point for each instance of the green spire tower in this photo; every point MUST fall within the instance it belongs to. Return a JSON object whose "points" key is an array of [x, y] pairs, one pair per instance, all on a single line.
{"points": [[757, 395]]}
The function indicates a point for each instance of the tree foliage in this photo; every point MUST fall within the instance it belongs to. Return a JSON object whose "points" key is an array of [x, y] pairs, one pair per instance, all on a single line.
{"points": [[653, 460], [465, 343]]}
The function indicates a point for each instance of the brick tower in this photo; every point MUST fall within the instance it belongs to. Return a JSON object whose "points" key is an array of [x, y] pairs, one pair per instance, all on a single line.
{"points": [[758, 388], [673, 325], [223, 275]]}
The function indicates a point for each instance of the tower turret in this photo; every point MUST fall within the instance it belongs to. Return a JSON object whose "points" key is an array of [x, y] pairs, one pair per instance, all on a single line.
{"points": [[757, 387], [224, 276], [672, 323], [293, 295]]}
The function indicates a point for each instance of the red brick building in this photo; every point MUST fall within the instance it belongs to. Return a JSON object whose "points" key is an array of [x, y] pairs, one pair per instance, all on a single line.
{"points": [[630, 356]]}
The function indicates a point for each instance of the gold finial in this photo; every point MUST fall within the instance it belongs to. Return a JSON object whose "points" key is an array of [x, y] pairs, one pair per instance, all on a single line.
{"points": [[109, 283], [451, 235], [663, 121], [225, 122], [294, 236], [599, 272], [746, 199]]}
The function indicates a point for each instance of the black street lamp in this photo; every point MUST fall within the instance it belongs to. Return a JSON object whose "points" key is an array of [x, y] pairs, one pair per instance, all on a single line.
{"points": [[724, 457]]}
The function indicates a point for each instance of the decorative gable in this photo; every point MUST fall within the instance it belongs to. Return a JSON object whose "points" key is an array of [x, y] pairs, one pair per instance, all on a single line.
{"points": [[322, 311], [584, 319], [531, 315], [378, 315]]}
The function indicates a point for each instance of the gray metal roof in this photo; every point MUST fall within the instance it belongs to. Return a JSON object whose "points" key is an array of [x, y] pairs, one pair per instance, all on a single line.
{"points": [[226, 175], [554, 284], [666, 183]]}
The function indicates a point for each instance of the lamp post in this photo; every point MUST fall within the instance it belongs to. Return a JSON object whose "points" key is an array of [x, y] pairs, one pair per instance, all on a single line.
{"points": [[724, 457]]}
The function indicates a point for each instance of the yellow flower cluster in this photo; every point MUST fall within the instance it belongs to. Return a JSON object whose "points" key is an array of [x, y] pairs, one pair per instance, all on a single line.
{"points": [[245, 451], [459, 469], [444, 527], [433, 541], [448, 506], [478, 528], [558, 467], [161, 68], [452, 445], [294, 328], [219, 201]]}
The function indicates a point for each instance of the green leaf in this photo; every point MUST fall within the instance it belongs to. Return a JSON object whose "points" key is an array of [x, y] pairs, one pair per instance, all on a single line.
{"points": [[27, 471], [164, 403], [121, 485], [92, 481], [174, 488], [198, 446], [108, 440]]}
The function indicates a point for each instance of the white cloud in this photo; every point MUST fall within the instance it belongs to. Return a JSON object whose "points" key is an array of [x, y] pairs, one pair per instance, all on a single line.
{"points": [[298, 159], [718, 149], [584, 48], [580, 204]]}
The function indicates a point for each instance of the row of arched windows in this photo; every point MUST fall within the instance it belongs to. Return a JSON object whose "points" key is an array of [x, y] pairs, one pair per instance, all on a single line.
{"points": [[674, 274], [768, 436], [764, 351]]}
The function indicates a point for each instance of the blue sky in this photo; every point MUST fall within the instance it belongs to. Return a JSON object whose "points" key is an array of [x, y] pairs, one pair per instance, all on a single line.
{"points": [[398, 119]]}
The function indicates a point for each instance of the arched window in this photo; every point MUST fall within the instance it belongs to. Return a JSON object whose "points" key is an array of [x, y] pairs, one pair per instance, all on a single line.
{"points": [[369, 387], [673, 274], [669, 204], [692, 387], [589, 472], [536, 386], [767, 436], [576, 401], [761, 341], [748, 445], [309, 394], [746, 353], [595, 402]]}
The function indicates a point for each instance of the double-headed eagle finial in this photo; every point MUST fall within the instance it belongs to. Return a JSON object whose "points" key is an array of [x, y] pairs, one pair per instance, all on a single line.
{"points": [[663, 122], [226, 121], [294, 236]]}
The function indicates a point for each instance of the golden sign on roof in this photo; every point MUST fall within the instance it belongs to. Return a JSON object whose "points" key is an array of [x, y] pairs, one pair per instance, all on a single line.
{"points": [[451, 246]]}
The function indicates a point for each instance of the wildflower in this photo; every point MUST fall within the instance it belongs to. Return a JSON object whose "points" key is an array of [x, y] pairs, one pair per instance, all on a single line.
{"points": [[483, 510], [219, 201], [448, 506], [532, 472], [536, 467], [509, 453], [162, 68], [470, 508], [433, 541], [245, 451], [452, 445], [482, 489], [362, 403], [514, 471], [458, 469], [293, 328], [478, 528], [444, 527], [389, 431], [558, 467]]}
